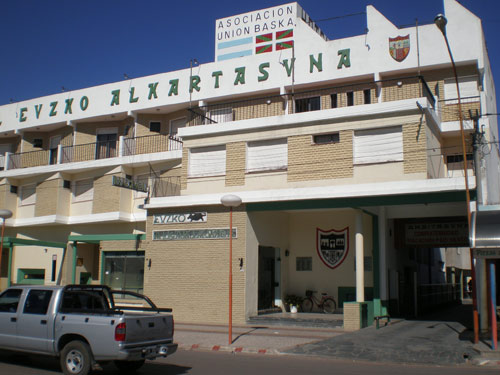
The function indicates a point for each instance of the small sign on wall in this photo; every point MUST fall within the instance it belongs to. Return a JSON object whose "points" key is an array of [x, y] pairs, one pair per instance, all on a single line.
{"points": [[187, 217]]}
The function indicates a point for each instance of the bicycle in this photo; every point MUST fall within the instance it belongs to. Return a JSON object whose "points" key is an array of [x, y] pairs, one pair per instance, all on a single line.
{"points": [[326, 303]]}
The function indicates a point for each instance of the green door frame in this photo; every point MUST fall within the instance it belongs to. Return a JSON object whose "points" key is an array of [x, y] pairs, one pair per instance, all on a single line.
{"points": [[10, 242], [96, 239]]}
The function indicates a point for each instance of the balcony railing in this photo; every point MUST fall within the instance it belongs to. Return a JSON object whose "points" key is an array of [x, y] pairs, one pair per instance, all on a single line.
{"points": [[368, 92], [95, 151], [448, 109]]}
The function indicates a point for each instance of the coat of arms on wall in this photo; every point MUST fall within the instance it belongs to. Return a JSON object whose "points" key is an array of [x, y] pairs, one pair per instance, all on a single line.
{"points": [[399, 47], [332, 246]]}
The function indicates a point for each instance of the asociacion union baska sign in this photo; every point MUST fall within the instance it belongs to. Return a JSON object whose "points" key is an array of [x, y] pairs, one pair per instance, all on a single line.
{"points": [[332, 246], [399, 47]]}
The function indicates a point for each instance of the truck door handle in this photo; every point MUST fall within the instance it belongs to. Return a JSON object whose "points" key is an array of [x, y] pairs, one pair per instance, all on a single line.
{"points": [[13, 319], [44, 322]]}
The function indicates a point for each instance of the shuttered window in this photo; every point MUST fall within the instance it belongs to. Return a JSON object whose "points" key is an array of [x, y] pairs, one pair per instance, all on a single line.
{"points": [[267, 155], [207, 161], [83, 190], [378, 145], [176, 124], [28, 195], [468, 89]]}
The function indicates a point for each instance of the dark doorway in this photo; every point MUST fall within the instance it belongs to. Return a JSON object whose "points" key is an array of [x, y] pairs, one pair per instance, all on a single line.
{"points": [[266, 277], [106, 146]]}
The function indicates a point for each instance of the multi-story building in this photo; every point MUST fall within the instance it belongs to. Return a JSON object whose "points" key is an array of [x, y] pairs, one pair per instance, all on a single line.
{"points": [[346, 154]]}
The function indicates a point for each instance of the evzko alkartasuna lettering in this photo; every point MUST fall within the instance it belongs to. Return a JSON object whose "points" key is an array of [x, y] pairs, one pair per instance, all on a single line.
{"points": [[155, 90]]}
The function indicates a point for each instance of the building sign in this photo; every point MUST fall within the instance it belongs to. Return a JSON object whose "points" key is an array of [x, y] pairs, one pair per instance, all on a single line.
{"points": [[255, 32], [436, 234], [192, 234], [130, 184], [487, 253], [191, 217], [399, 47], [332, 246]]}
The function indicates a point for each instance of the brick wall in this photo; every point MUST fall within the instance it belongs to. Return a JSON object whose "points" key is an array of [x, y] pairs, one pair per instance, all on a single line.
{"points": [[47, 193], [308, 161], [185, 165], [414, 148], [352, 317], [191, 276], [106, 196], [235, 163]]}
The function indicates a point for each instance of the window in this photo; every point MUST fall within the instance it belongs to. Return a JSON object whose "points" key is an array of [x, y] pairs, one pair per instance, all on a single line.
{"points": [[83, 190], [303, 264], [106, 143], [378, 145], [458, 158], [38, 142], [37, 302], [307, 104], [155, 126], [367, 95], [350, 98], [28, 195], [31, 276], [267, 155], [468, 88], [207, 161], [220, 115], [124, 270], [9, 300], [176, 124], [321, 139], [335, 100]]}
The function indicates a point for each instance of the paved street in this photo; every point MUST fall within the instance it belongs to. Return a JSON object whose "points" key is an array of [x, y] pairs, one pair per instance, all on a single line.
{"points": [[216, 363]]}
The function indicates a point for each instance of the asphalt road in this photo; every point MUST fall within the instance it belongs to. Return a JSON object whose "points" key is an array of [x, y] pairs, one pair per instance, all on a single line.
{"points": [[216, 363]]}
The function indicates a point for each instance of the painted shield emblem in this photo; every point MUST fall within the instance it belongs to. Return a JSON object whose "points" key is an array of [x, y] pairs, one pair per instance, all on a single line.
{"points": [[332, 246], [399, 47]]}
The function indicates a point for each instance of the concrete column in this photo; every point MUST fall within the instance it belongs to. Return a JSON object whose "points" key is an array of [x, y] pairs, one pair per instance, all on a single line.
{"points": [[360, 258], [382, 230]]}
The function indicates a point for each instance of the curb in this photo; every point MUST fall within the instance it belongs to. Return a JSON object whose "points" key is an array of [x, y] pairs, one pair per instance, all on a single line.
{"points": [[228, 349]]}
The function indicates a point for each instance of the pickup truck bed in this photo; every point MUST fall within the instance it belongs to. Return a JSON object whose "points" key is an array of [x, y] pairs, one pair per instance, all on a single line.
{"points": [[83, 326]]}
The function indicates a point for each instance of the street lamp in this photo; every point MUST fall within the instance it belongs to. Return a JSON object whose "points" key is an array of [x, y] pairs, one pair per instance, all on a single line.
{"points": [[441, 22], [4, 214], [230, 200]]}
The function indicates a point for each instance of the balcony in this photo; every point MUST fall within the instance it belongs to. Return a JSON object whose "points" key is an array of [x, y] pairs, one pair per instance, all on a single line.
{"points": [[93, 151], [369, 92]]}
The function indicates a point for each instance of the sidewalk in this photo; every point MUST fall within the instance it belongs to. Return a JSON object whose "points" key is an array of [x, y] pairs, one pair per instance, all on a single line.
{"points": [[439, 339]]}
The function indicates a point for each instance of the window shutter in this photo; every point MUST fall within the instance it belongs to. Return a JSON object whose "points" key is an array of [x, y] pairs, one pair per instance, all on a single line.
{"points": [[378, 145], [207, 161], [83, 190], [267, 155], [467, 85]]}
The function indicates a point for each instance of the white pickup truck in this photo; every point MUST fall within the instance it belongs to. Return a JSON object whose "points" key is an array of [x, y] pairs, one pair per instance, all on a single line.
{"points": [[82, 325]]}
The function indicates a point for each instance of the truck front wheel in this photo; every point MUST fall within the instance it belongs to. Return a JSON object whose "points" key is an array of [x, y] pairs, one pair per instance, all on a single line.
{"points": [[76, 358]]}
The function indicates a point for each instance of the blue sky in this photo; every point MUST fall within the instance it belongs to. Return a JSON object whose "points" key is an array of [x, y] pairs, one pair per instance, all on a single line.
{"points": [[50, 44]]}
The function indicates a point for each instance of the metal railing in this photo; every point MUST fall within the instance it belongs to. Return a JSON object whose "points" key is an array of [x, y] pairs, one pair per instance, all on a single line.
{"points": [[302, 100], [448, 109], [166, 186], [150, 144], [95, 151]]}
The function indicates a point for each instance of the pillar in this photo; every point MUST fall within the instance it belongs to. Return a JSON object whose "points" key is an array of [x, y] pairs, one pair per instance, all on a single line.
{"points": [[360, 258]]}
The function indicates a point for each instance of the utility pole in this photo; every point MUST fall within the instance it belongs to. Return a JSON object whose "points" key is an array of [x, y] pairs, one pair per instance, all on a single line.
{"points": [[476, 144]]}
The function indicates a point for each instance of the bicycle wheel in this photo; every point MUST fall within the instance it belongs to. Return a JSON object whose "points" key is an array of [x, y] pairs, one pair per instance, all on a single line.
{"points": [[329, 306], [307, 305]]}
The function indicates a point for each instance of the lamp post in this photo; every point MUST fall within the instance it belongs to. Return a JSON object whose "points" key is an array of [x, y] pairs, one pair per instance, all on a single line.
{"points": [[230, 200], [4, 214], [441, 22]]}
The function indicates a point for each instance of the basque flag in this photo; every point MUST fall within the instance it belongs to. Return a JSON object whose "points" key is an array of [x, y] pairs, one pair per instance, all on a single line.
{"points": [[264, 38]]}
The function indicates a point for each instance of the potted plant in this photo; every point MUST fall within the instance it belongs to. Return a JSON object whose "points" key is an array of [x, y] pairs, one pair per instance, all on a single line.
{"points": [[293, 301]]}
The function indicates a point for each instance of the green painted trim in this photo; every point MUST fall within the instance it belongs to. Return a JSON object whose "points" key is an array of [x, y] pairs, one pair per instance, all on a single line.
{"points": [[9, 268], [73, 268], [96, 238], [376, 264], [390, 200], [13, 241], [21, 272]]}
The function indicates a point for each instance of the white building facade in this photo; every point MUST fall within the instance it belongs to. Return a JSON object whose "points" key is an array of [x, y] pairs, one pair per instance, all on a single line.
{"points": [[346, 155]]}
